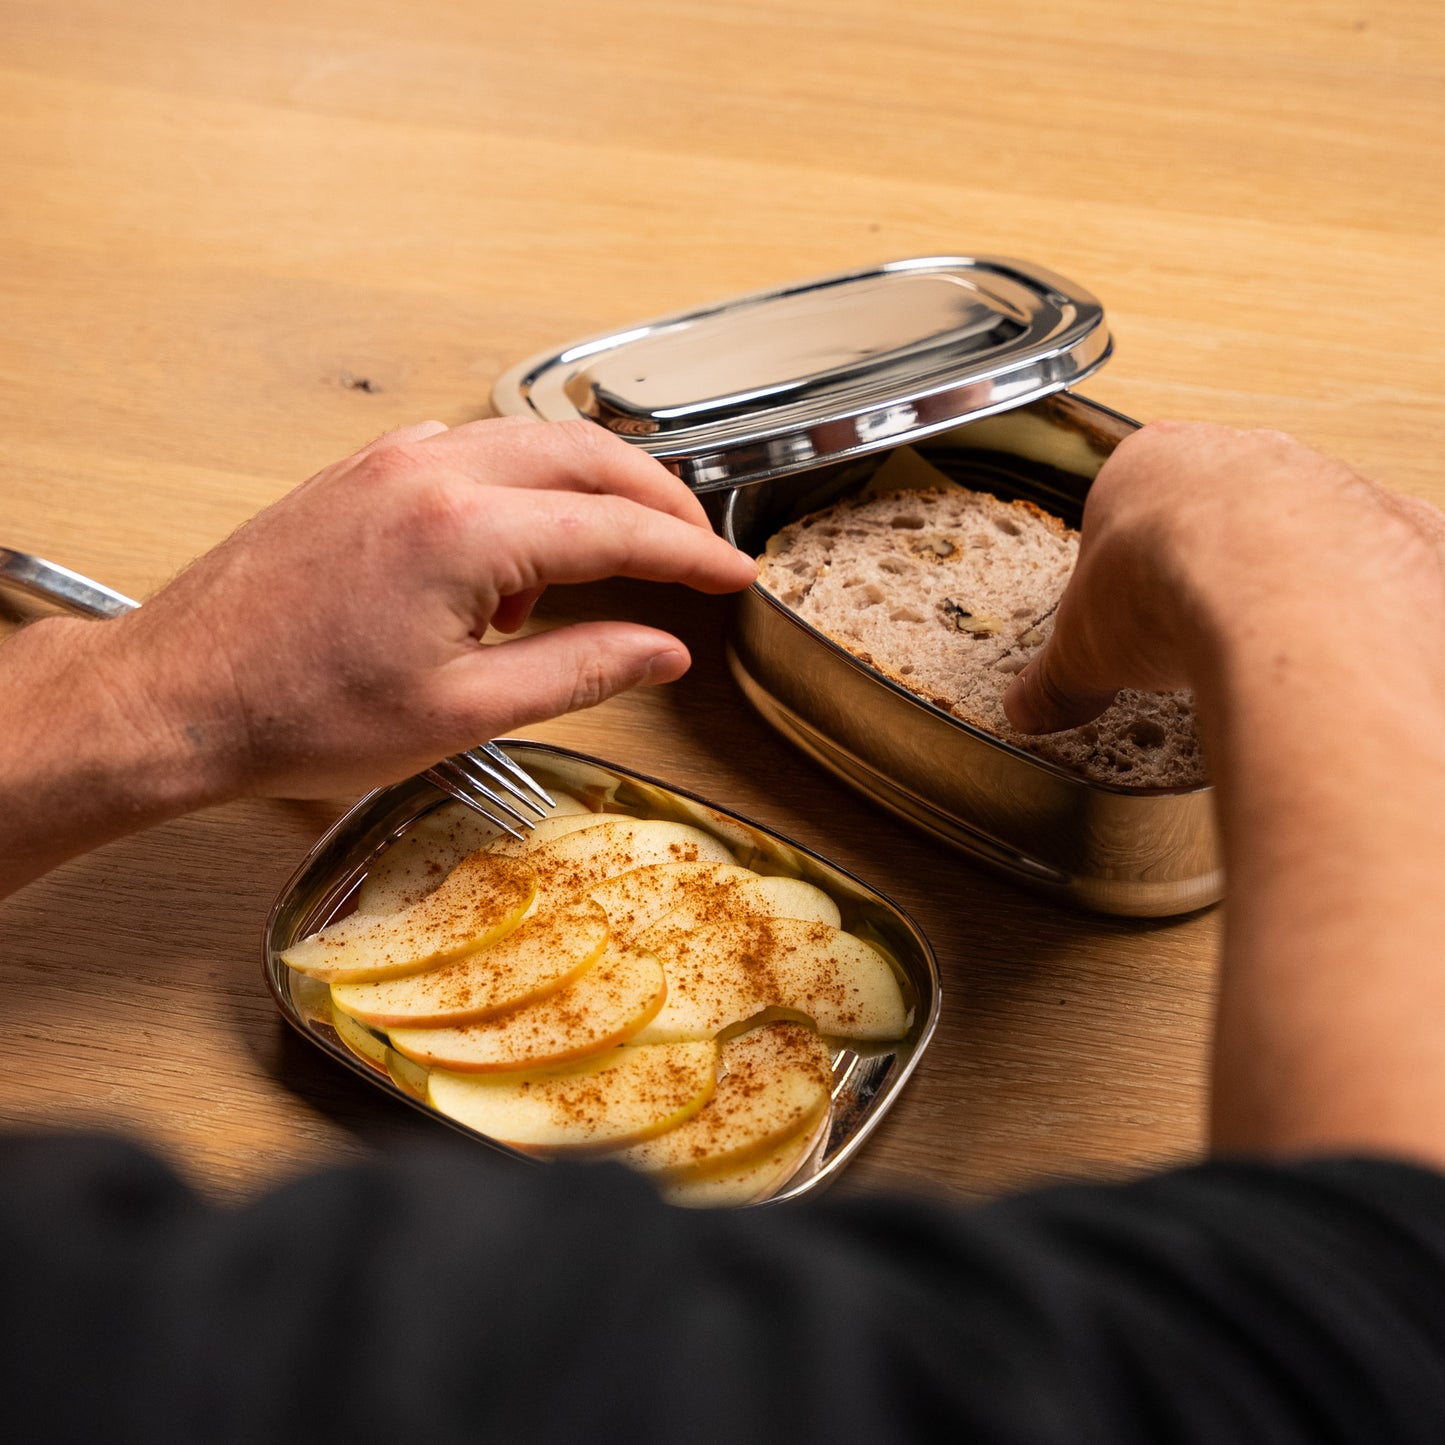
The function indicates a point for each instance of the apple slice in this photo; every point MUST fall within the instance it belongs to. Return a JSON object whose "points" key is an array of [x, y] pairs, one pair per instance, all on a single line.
{"points": [[747, 897], [415, 864], [793, 898], [544, 953], [621, 1097], [483, 899], [603, 1008], [749, 1183], [359, 1039], [566, 805], [776, 1081], [725, 973], [409, 1077], [639, 898], [557, 826], [579, 861]]}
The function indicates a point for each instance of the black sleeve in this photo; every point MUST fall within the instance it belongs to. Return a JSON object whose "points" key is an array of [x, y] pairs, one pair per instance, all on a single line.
{"points": [[446, 1296]]}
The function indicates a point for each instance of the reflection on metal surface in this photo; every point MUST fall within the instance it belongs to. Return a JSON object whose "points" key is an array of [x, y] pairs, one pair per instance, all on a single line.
{"points": [[1141, 852], [325, 885], [858, 1079], [767, 384], [54, 583]]}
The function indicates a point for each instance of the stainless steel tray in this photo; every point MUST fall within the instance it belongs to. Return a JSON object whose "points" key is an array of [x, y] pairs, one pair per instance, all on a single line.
{"points": [[866, 1079], [1113, 849]]}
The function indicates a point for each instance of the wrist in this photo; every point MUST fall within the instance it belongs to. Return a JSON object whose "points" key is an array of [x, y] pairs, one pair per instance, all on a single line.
{"points": [[1325, 726], [1302, 689], [165, 697], [103, 738]]}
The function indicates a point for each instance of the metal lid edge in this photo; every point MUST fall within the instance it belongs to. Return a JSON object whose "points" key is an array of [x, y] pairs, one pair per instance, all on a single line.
{"points": [[750, 455]]}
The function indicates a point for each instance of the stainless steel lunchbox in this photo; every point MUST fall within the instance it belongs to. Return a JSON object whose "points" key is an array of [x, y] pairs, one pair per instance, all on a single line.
{"points": [[866, 1077], [806, 388]]}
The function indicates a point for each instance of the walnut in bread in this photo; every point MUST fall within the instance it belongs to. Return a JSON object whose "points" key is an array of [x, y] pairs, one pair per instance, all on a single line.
{"points": [[949, 592]]}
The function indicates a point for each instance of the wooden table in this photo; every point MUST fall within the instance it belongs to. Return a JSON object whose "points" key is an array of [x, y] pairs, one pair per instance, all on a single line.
{"points": [[240, 240]]}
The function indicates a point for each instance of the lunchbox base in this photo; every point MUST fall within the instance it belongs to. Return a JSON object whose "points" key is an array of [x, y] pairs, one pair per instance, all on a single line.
{"points": [[1129, 897], [1133, 851]]}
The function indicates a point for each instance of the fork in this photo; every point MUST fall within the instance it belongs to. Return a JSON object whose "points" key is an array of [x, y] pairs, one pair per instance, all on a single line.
{"points": [[485, 778]]}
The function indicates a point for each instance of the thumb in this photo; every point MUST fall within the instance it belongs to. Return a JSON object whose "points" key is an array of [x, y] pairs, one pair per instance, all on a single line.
{"points": [[529, 679], [1043, 699]]}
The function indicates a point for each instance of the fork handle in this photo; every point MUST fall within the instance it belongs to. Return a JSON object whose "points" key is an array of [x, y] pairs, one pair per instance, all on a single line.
{"points": [[62, 586]]}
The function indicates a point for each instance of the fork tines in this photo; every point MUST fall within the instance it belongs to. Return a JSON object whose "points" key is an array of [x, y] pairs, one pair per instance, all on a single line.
{"points": [[487, 780]]}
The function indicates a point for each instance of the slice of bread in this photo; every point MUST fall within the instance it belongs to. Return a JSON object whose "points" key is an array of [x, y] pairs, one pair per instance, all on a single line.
{"points": [[949, 592]]}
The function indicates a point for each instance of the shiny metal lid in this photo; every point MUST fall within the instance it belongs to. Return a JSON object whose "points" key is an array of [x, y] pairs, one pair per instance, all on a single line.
{"points": [[792, 378]]}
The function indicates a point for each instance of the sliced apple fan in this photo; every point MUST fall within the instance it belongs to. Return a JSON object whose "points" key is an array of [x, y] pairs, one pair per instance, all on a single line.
{"points": [[507, 976]]}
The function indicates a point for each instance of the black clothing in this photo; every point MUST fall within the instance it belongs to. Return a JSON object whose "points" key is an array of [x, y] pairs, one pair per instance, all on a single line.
{"points": [[446, 1296]]}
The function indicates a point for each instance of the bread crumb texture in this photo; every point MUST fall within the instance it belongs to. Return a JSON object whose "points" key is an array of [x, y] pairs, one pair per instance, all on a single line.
{"points": [[950, 592]]}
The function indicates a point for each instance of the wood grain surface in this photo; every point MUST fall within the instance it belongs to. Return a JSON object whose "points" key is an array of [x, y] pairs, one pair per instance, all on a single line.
{"points": [[238, 241]]}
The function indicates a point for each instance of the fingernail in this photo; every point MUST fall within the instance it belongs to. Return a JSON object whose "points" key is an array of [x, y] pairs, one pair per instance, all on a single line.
{"points": [[666, 666]]}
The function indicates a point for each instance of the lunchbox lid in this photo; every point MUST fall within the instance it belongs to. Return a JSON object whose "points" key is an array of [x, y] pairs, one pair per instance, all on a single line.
{"points": [[818, 371]]}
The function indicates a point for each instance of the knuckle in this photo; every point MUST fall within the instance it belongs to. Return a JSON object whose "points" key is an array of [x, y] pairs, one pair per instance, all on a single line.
{"points": [[604, 519], [389, 463], [634, 525], [589, 443], [437, 510], [568, 521], [496, 427], [590, 686], [405, 483], [583, 434]]}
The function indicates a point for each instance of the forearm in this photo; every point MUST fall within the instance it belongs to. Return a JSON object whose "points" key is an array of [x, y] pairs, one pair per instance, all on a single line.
{"points": [[1328, 744], [1305, 605], [99, 740]]}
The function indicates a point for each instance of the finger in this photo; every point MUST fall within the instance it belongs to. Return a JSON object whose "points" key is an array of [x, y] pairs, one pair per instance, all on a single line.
{"points": [[512, 612], [530, 679], [1040, 701], [567, 456], [546, 537]]}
